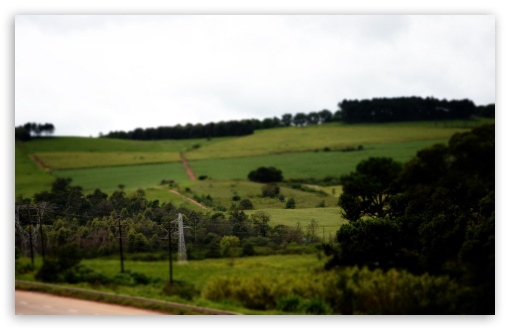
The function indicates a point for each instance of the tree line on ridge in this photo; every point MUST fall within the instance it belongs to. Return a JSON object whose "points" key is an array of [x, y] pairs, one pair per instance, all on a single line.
{"points": [[376, 110]]}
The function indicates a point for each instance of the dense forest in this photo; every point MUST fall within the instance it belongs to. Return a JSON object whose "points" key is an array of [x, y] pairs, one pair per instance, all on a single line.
{"points": [[350, 111]]}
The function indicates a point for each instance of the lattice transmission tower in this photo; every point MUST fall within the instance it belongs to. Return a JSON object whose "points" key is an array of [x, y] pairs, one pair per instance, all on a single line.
{"points": [[182, 257]]}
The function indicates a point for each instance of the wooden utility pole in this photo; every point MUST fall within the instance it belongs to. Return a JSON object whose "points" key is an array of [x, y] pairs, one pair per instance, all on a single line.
{"points": [[120, 245], [169, 238], [41, 233]]}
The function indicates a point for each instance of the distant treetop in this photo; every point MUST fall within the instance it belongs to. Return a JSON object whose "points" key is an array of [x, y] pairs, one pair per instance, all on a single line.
{"points": [[375, 110]]}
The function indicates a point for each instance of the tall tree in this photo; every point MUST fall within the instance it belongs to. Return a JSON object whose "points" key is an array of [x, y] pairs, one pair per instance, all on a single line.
{"points": [[366, 192]]}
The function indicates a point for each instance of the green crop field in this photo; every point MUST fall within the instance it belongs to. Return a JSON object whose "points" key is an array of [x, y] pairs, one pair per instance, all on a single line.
{"points": [[29, 178], [82, 144], [299, 152], [79, 160], [300, 165], [335, 136], [133, 177]]}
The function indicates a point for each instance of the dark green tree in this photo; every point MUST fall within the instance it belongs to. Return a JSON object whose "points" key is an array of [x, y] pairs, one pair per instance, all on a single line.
{"points": [[266, 174], [367, 191], [287, 120]]}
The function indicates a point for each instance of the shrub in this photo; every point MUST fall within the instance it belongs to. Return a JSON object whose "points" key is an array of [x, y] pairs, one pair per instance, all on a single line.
{"points": [[248, 249], [291, 203], [245, 204], [349, 290], [53, 269], [265, 175], [83, 274], [322, 203], [23, 268], [124, 279], [270, 190], [289, 303], [181, 289], [50, 271], [315, 306]]}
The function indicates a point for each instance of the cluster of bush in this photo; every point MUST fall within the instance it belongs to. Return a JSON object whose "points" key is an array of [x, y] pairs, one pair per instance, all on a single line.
{"points": [[350, 290]]}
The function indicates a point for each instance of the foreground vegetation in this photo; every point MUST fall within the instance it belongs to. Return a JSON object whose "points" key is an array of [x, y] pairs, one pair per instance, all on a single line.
{"points": [[413, 237]]}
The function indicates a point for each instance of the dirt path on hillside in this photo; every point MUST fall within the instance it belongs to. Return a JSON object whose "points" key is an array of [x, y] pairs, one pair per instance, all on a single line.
{"points": [[188, 169], [40, 163], [189, 199]]}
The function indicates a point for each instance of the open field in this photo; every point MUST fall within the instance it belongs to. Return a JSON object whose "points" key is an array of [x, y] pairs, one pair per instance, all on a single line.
{"points": [[299, 152], [82, 144], [80, 160], [303, 165], [335, 136], [196, 272], [29, 178], [222, 193], [165, 194], [133, 177]]}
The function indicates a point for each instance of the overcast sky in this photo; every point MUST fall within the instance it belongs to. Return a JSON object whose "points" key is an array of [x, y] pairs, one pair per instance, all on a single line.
{"points": [[92, 74]]}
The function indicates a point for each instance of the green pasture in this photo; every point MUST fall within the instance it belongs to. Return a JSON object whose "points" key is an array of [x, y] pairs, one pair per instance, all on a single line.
{"points": [[83, 144], [335, 136], [132, 177], [294, 165], [77, 160], [164, 194], [302, 165], [199, 272], [273, 147], [77, 152], [328, 218], [196, 272], [29, 178], [222, 193]]}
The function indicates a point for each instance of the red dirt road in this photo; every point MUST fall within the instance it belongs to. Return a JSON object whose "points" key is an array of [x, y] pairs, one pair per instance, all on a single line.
{"points": [[189, 171], [36, 303]]}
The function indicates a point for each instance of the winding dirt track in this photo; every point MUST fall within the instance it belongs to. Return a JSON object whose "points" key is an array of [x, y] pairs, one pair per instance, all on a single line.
{"points": [[189, 171], [40, 163], [189, 199]]}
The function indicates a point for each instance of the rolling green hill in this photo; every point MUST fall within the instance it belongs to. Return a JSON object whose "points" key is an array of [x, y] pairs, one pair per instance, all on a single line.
{"points": [[301, 152]]}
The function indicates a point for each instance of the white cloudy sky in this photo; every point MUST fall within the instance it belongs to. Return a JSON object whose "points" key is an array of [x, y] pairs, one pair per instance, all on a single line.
{"points": [[92, 74]]}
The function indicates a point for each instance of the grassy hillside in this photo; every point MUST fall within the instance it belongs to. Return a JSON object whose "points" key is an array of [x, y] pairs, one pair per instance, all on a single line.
{"points": [[335, 136], [133, 176], [29, 178], [300, 165], [222, 193], [299, 152], [82, 144]]}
